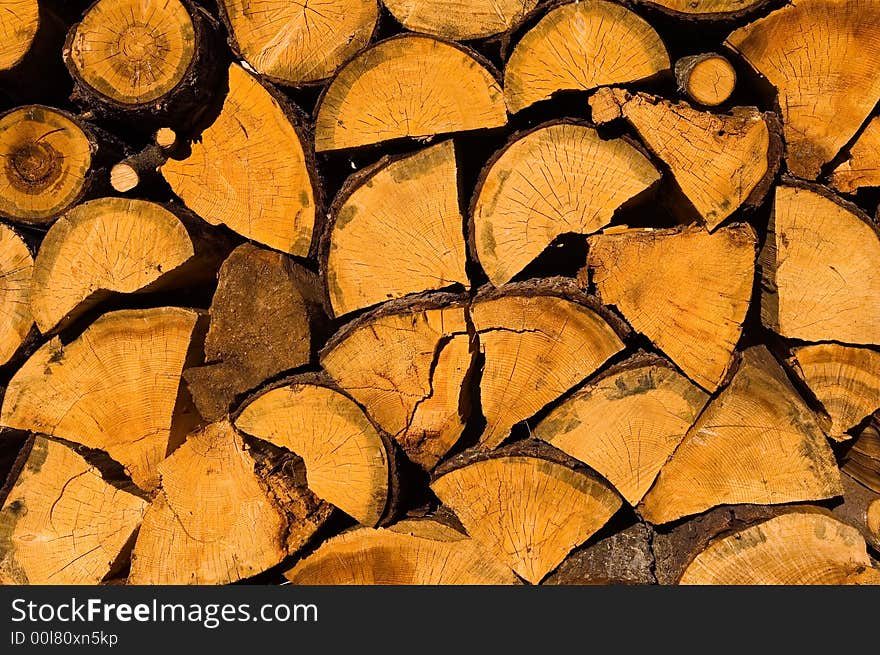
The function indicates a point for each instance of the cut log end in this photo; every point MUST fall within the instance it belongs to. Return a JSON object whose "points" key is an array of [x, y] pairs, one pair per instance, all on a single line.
{"points": [[397, 557], [560, 178], [470, 19], [250, 171], [61, 522], [16, 269], [114, 388], [213, 519], [18, 27], [862, 168], [708, 79], [529, 512], [792, 549], [47, 156], [132, 52], [408, 86], [295, 46], [397, 231], [581, 46], [345, 457], [104, 246]]}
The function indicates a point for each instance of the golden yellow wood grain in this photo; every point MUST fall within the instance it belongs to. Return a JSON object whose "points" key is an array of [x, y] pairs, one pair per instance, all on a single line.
{"points": [[581, 46], [19, 22], [16, 268], [459, 19]]}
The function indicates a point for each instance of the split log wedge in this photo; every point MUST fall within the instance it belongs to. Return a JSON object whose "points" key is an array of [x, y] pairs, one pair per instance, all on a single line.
{"points": [[862, 460], [213, 520], [756, 442], [113, 388], [16, 268], [627, 422], [61, 523], [530, 512], [580, 46], [713, 10], [792, 549], [250, 171], [539, 340], [386, 557], [397, 230], [697, 322], [821, 282], [18, 27], [112, 245], [844, 379], [822, 56], [345, 457], [462, 20], [405, 363], [862, 167], [295, 44], [721, 161], [560, 178], [408, 86]]}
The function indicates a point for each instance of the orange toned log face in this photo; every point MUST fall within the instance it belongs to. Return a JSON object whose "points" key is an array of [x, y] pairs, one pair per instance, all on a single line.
{"points": [[114, 388], [460, 19], [46, 157], [62, 523], [345, 457], [132, 51], [756, 442], [581, 46], [558, 179], [250, 171], [297, 44], [18, 26], [398, 231], [822, 57], [792, 549], [407, 86], [16, 267], [528, 512]]}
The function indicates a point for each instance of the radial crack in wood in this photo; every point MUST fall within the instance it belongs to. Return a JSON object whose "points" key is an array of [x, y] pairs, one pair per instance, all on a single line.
{"points": [[61, 523], [113, 388], [528, 511], [557, 179], [19, 22], [385, 557], [580, 46], [397, 230], [405, 364], [685, 289], [862, 167], [721, 161], [627, 422], [106, 246], [16, 268], [756, 442], [822, 56], [213, 520], [267, 316], [821, 282], [408, 86], [345, 457], [293, 43], [844, 379], [47, 155], [460, 19], [539, 340], [250, 170], [792, 549]]}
